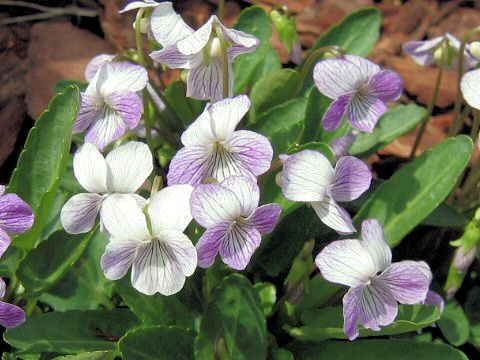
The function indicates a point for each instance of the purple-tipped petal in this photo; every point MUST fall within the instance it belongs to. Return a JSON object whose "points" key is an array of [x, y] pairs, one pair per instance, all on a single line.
{"points": [[16, 216], [242, 43], [106, 129], [434, 299], [352, 179], [333, 215], [209, 243], [87, 114], [341, 146], [377, 306], [386, 85], [5, 242], [253, 150], [422, 51], [265, 217], [351, 307], [171, 57], [364, 110], [118, 257], [239, 245], [373, 240], [189, 165], [11, 316], [246, 190], [407, 281], [128, 106], [334, 114], [79, 213]]}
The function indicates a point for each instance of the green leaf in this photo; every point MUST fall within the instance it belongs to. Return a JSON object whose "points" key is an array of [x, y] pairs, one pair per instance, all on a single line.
{"points": [[282, 124], [62, 84], [327, 323], [234, 320], [445, 215], [393, 124], [472, 309], [43, 161], [272, 89], [248, 68], [356, 34], [157, 343], [317, 293], [71, 332], [316, 107], [412, 193], [280, 354], [454, 324], [156, 309], [186, 109], [51, 259], [377, 350], [268, 296], [96, 355]]}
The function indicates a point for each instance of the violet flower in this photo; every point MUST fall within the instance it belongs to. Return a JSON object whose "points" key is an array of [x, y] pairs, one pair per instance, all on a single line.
{"points": [[234, 223], [95, 64], [429, 52], [11, 316], [16, 217], [359, 89], [309, 176], [213, 149], [376, 285], [123, 171], [150, 240], [198, 51], [110, 104]]}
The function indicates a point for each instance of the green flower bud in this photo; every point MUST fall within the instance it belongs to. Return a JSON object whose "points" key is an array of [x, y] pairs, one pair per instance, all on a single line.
{"points": [[286, 28], [475, 49]]}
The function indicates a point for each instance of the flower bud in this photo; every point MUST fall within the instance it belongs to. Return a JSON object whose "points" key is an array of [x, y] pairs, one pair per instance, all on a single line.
{"points": [[184, 75], [464, 258], [286, 28], [475, 49]]}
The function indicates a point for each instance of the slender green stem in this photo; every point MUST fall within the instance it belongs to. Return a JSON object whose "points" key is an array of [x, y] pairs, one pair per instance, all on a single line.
{"points": [[146, 119], [475, 125], [31, 304], [312, 57], [223, 49], [138, 36], [470, 183], [433, 100]]}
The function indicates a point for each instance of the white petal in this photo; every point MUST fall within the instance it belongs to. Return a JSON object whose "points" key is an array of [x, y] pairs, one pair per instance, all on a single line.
{"points": [[118, 257], [90, 169], [366, 67], [470, 86], [226, 115], [346, 262], [79, 213], [121, 76], [167, 26], [374, 242], [196, 41], [162, 264], [139, 4], [306, 176], [334, 216], [169, 209], [246, 190], [200, 132], [95, 64], [128, 166], [122, 217]]}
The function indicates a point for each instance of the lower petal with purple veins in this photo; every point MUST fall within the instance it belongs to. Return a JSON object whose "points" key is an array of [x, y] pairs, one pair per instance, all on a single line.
{"points": [[364, 110], [209, 243], [108, 128], [205, 82], [352, 179], [128, 106], [16, 216], [118, 257], [88, 113], [265, 217], [79, 213], [351, 307], [189, 165], [238, 246], [11, 316], [386, 85], [377, 306], [334, 114]]}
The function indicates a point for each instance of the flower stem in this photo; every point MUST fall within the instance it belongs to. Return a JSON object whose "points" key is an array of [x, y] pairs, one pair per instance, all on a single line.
{"points": [[138, 36], [475, 125], [146, 119], [223, 49], [433, 100]]}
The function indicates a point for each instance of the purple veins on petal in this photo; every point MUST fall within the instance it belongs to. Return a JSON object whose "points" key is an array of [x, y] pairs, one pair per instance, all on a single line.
{"points": [[11, 316], [334, 114], [352, 179]]}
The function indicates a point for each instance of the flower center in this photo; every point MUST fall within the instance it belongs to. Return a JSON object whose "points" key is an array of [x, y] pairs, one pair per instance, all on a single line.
{"points": [[215, 48]]}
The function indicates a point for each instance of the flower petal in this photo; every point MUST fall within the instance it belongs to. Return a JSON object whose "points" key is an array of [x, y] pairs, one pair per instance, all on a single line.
{"points": [[129, 165], [139, 4], [246, 190], [435, 299], [373, 239], [87, 114], [346, 262], [378, 307], [209, 243], [123, 218], [195, 42], [169, 209], [5, 242], [79, 213], [211, 204], [341, 145], [167, 26], [364, 110], [162, 264], [90, 169], [16, 216], [422, 51], [189, 165], [238, 246], [334, 216], [205, 82], [265, 217], [172, 58], [108, 128], [352, 179], [95, 64], [386, 85], [118, 257], [11, 316], [2, 189], [351, 307], [366, 67], [121, 76], [407, 281], [3, 288], [253, 150], [334, 114], [128, 106], [241, 42], [306, 176], [471, 89]]}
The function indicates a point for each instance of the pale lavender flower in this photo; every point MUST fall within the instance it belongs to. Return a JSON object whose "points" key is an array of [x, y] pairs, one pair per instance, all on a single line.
{"points": [[157, 250], [463, 258], [123, 171], [95, 64], [11, 316], [213, 149], [376, 284], [428, 52], [110, 104], [434, 299], [359, 89], [309, 176], [198, 51], [16, 217], [234, 223], [470, 86]]}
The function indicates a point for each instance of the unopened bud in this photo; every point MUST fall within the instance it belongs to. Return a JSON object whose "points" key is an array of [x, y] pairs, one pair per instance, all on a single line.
{"points": [[475, 49], [437, 54], [184, 75], [463, 259]]}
